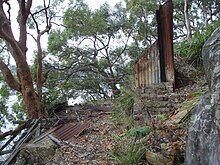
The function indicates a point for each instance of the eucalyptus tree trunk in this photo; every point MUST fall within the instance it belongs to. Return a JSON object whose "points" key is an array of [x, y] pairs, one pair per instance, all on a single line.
{"points": [[18, 49], [187, 21]]}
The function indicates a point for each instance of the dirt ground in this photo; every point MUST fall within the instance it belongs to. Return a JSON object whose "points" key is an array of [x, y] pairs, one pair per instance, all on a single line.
{"points": [[91, 146]]}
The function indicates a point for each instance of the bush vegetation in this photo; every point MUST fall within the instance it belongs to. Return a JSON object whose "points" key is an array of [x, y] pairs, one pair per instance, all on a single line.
{"points": [[192, 50]]}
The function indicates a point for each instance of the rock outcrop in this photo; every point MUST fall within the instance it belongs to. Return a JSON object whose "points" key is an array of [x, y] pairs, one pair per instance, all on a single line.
{"points": [[40, 152], [203, 144]]}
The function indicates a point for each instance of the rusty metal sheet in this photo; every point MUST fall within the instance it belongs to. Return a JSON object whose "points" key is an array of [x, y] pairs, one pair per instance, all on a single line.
{"points": [[136, 76], [147, 67], [165, 39], [68, 131]]}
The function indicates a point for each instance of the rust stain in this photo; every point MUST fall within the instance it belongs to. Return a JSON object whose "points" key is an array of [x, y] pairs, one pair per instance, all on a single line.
{"points": [[68, 131]]}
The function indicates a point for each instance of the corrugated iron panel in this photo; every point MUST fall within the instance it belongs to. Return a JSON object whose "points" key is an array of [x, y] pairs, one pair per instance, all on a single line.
{"points": [[147, 67], [68, 131], [136, 74], [157, 64]]}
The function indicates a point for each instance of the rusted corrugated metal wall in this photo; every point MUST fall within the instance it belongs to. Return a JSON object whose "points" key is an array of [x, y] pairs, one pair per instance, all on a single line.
{"points": [[147, 68], [157, 64]]}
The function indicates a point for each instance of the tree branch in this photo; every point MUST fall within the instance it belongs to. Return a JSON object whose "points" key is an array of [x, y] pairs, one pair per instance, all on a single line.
{"points": [[7, 35], [9, 78], [9, 8], [22, 21], [125, 47], [40, 78], [28, 6]]}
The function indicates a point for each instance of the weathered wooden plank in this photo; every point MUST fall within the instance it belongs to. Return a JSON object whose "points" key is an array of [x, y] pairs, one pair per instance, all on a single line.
{"points": [[14, 133], [21, 142], [5, 152]]}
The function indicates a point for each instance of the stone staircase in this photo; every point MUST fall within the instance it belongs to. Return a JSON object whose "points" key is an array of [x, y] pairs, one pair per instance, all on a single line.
{"points": [[156, 99]]}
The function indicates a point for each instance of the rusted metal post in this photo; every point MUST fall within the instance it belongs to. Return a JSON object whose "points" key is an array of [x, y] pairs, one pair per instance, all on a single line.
{"points": [[165, 39]]}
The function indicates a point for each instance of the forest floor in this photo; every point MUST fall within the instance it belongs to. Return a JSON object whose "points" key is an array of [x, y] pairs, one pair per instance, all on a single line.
{"points": [[112, 136], [103, 141], [106, 142], [92, 145]]}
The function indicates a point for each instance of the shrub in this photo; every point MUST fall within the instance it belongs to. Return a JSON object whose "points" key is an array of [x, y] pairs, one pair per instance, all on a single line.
{"points": [[192, 50], [123, 108], [138, 132], [127, 151]]}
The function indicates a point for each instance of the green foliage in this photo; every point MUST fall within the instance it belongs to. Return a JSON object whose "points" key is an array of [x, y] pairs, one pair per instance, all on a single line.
{"points": [[10, 109], [138, 132], [18, 109], [142, 15], [90, 58], [127, 151], [190, 103], [95, 50], [4, 94], [123, 108], [192, 50], [162, 117], [55, 91]]}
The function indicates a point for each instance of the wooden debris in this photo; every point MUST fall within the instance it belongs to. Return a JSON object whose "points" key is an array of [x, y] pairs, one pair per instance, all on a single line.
{"points": [[5, 152], [158, 159], [176, 118], [38, 126], [55, 140], [13, 132], [21, 142]]}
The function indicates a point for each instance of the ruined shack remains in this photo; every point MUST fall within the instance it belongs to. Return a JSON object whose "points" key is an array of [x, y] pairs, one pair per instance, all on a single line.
{"points": [[157, 64], [36, 141], [154, 71]]}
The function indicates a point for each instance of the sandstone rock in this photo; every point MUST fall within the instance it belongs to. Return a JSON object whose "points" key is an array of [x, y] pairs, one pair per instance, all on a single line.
{"points": [[184, 72], [37, 153], [203, 144]]}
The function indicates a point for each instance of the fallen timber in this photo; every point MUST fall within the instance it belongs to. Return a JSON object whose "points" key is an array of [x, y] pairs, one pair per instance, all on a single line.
{"points": [[33, 131]]}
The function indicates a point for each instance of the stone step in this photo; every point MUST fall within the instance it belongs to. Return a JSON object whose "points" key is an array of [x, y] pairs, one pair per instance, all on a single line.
{"points": [[155, 97], [157, 104], [165, 87]]}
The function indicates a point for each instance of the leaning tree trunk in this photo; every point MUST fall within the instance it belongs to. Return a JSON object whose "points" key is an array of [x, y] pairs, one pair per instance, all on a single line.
{"points": [[31, 99]]}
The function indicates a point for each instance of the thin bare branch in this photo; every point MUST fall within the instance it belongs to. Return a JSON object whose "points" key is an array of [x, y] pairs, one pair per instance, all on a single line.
{"points": [[35, 22], [125, 47], [8, 11], [41, 10], [58, 24], [32, 36], [46, 14], [3, 48]]}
